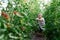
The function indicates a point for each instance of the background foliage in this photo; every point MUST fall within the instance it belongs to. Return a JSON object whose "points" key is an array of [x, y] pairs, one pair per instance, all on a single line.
{"points": [[52, 17]]}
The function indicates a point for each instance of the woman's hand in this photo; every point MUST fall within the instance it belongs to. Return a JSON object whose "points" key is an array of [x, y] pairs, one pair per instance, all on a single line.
{"points": [[39, 19]]}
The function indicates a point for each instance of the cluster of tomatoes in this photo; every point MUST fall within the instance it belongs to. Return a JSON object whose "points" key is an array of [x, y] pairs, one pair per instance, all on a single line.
{"points": [[6, 16]]}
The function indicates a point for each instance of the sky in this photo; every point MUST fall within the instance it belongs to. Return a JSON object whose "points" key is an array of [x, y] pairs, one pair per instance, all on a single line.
{"points": [[42, 3], [5, 3]]}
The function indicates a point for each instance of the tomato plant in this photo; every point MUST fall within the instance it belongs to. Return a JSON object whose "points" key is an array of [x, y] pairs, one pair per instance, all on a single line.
{"points": [[21, 23]]}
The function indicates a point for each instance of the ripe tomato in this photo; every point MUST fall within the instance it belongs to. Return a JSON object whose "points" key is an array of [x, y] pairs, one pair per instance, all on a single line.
{"points": [[23, 28], [5, 15]]}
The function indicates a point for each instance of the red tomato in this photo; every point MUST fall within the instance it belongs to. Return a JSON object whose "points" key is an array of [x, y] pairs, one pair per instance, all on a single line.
{"points": [[5, 15], [15, 12]]}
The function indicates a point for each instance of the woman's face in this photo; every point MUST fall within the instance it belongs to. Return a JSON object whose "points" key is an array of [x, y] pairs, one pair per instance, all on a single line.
{"points": [[39, 16]]}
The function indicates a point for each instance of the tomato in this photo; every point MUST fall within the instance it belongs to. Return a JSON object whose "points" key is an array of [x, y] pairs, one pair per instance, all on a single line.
{"points": [[23, 28], [5, 15], [15, 12], [8, 25]]}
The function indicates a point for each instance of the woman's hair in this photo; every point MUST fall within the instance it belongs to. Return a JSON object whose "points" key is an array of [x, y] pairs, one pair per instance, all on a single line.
{"points": [[40, 14]]}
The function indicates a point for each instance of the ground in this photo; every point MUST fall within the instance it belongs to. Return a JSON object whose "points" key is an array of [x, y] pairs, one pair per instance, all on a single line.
{"points": [[36, 37]]}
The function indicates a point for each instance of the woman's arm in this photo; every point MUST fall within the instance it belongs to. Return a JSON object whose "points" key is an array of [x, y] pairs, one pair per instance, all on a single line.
{"points": [[39, 19]]}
